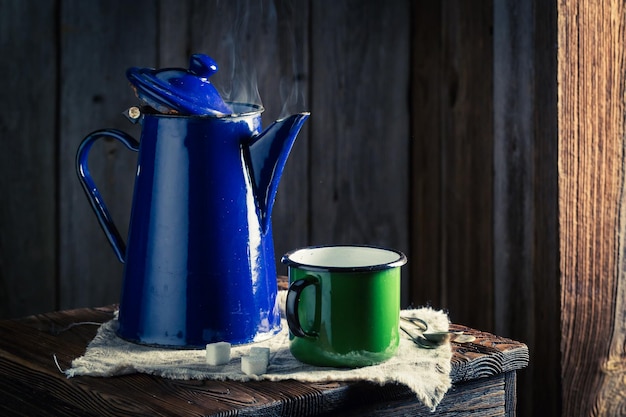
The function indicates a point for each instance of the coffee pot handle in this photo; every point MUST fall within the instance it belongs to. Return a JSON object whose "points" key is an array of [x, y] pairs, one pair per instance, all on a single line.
{"points": [[291, 308], [93, 195]]}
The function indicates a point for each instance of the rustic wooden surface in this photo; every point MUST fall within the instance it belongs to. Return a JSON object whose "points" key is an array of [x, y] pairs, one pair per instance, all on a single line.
{"points": [[592, 201], [31, 384], [482, 398]]}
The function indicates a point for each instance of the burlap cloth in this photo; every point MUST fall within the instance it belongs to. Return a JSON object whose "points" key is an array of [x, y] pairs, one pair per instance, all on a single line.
{"points": [[425, 371]]}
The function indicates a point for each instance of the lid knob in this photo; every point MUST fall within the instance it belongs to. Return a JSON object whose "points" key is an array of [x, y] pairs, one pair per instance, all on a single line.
{"points": [[202, 65]]}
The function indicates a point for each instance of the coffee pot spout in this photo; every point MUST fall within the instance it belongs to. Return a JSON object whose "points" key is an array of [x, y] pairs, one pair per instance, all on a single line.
{"points": [[267, 154]]}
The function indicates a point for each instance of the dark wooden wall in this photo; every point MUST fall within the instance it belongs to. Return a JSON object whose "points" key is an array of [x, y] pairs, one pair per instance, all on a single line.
{"points": [[438, 128], [66, 61], [349, 67]]}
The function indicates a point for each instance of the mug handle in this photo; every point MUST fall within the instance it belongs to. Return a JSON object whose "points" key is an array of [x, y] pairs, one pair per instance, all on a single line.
{"points": [[93, 195], [291, 310]]}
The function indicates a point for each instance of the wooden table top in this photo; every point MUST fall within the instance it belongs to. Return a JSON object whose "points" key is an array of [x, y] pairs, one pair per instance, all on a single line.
{"points": [[31, 384]]}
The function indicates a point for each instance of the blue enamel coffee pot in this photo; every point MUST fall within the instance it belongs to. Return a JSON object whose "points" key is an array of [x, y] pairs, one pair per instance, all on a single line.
{"points": [[199, 259]]}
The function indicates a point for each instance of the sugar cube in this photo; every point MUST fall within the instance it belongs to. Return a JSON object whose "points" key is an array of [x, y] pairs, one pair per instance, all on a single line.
{"points": [[218, 353], [253, 365], [263, 352]]}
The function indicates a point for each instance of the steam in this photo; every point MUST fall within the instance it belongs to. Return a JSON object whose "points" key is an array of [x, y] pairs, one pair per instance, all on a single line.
{"points": [[261, 51], [242, 85], [292, 91]]}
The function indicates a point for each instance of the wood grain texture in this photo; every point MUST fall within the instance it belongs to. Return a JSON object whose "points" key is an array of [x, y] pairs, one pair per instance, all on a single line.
{"points": [[591, 108], [28, 210], [99, 41], [514, 77], [31, 384], [428, 283], [488, 355], [452, 196], [173, 47], [510, 395], [484, 398], [468, 174], [526, 281], [541, 385], [359, 156]]}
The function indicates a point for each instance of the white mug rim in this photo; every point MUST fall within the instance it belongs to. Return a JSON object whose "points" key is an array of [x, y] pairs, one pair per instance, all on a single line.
{"points": [[344, 258]]}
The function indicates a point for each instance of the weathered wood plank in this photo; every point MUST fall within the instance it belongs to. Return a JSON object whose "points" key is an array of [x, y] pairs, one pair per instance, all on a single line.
{"points": [[359, 190], [525, 194], [540, 386], [99, 41], [427, 97], [510, 395], [488, 355], [22, 399], [591, 107], [28, 128], [482, 398], [467, 153], [514, 76], [454, 212], [173, 44]]}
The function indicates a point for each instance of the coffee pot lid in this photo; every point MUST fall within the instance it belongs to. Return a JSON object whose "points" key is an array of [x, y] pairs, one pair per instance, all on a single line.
{"points": [[177, 90]]}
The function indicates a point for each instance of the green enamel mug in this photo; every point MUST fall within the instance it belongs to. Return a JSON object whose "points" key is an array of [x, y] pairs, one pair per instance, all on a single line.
{"points": [[343, 304]]}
